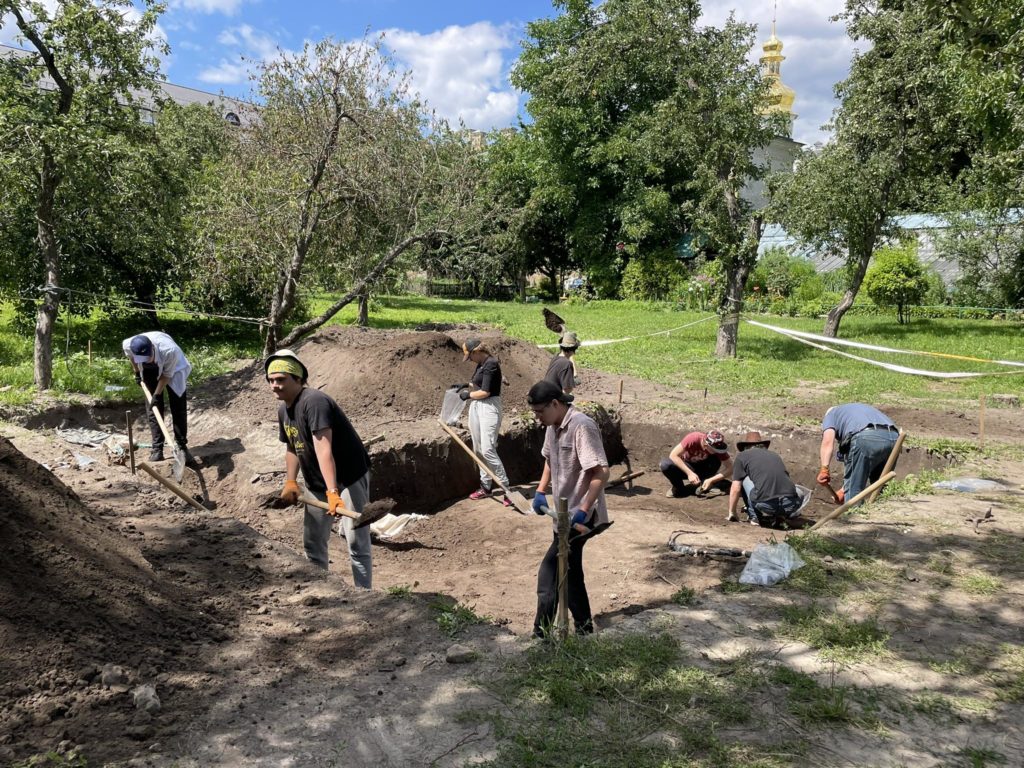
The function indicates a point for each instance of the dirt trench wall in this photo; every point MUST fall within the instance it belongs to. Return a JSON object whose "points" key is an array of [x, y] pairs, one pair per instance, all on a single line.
{"points": [[648, 444], [424, 474]]}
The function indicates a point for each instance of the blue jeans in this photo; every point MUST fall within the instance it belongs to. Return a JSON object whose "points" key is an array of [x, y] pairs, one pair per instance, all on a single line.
{"points": [[869, 449]]}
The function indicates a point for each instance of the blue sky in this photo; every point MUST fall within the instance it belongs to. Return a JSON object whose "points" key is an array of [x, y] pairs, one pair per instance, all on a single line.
{"points": [[460, 52]]}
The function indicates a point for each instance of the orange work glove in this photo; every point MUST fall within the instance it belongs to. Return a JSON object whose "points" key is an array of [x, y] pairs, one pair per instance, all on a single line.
{"points": [[335, 503], [291, 492], [824, 478]]}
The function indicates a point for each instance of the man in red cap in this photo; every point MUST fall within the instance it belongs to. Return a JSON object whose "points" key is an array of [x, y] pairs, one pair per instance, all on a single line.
{"points": [[699, 463]]}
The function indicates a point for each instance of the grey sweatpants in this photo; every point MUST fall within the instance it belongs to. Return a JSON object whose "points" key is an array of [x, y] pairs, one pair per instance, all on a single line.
{"points": [[316, 532], [484, 423]]}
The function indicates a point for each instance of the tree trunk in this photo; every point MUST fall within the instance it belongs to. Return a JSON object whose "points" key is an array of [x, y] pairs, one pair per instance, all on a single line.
{"points": [[49, 249], [729, 310], [835, 314], [363, 319], [311, 325]]}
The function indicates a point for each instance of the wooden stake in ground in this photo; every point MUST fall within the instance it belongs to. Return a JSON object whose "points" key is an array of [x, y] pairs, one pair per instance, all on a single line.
{"points": [[90, 353], [850, 502], [981, 422], [171, 486], [131, 440], [562, 621], [620, 390], [891, 461]]}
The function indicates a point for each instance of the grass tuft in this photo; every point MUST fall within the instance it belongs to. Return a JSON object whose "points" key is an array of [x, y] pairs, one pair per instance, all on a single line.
{"points": [[836, 637], [454, 618]]}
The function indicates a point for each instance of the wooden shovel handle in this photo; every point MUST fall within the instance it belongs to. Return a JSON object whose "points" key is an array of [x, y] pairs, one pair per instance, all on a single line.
{"points": [[877, 485], [480, 462], [171, 486], [314, 502], [159, 416]]}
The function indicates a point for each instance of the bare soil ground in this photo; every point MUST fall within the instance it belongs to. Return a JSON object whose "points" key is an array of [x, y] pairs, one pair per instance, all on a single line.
{"points": [[259, 659]]}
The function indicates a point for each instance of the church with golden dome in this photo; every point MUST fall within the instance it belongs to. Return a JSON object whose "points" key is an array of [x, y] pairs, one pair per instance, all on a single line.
{"points": [[782, 96]]}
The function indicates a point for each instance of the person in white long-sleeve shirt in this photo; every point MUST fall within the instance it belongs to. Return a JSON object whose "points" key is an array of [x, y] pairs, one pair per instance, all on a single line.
{"points": [[160, 363]]}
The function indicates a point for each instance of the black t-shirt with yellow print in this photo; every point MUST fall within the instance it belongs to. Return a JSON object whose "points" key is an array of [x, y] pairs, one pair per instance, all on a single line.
{"points": [[311, 412]]}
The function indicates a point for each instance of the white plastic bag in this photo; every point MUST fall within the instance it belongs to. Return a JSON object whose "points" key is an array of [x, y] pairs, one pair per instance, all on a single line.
{"points": [[970, 485], [452, 407], [769, 564]]}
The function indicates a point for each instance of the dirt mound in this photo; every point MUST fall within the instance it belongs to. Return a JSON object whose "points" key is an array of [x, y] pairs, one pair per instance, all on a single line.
{"points": [[384, 378], [75, 595]]}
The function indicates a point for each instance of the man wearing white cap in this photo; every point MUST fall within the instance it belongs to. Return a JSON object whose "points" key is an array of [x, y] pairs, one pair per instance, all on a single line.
{"points": [[160, 363], [335, 465]]}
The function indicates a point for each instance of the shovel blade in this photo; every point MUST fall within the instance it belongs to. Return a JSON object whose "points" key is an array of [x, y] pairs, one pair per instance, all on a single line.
{"points": [[522, 504], [178, 471]]}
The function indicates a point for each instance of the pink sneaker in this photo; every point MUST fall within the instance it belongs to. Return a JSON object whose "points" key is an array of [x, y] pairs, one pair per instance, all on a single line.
{"points": [[506, 502], [479, 493]]}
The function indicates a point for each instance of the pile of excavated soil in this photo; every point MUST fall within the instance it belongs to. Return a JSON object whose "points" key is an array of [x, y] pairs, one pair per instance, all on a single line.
{"points": [[76, 596]]}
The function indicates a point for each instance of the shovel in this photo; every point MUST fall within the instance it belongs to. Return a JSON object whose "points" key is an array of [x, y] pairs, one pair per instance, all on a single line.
{"points": [[372, 512], [179, 455], [520, 502]]}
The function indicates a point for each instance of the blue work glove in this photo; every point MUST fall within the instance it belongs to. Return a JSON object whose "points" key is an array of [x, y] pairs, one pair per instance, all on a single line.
{"points": [[539, 500], [464, 394], [579, 517]]}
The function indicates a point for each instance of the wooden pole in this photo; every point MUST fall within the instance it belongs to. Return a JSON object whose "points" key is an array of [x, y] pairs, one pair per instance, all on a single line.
{"points": [[625, 478], [562, 620], [849, 503], [620, 390], [131, 440], [981, 421], [90, 353], [890, 462], [171, 486]]}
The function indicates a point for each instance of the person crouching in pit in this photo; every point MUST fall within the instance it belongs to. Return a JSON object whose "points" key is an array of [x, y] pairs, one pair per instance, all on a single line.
{"points": [[760, 477], [335, 465], [699, 463], [576, 468]]}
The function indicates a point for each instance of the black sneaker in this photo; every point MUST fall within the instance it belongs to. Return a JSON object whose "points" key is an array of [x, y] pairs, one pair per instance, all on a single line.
{"points": [[190, 460], [157, 454]]}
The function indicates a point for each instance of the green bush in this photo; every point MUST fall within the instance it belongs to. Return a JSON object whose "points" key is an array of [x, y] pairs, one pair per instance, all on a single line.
{"points": [[778, 274], [655, 277], [896, 277], [705, 289]]}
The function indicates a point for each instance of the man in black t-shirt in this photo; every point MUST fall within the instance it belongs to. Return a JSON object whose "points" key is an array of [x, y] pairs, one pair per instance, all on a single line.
{"points": [[562, 368], [335, 466], [760, 477]]}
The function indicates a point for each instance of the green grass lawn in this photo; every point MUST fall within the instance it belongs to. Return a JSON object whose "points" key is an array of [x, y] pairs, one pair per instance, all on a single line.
{"points": [[767, 362]]}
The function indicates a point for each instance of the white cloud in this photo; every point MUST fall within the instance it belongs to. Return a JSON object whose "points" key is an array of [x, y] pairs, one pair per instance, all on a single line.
{"points": [[462, 72], [227, 7], [251, 47], [817, 52], [226, 73]]}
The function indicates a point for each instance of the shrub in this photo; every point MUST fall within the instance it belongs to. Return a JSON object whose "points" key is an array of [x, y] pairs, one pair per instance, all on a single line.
{"points": [[706, 287], [654, 277], [896, 278], [779, 274]]}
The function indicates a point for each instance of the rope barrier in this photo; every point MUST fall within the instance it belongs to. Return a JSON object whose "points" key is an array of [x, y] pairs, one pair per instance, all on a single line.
{"points": [[602, 342], [800, 336]]}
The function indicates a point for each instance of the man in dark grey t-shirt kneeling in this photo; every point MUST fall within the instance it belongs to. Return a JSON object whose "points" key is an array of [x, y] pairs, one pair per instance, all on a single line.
{"points": [[759, 476]]}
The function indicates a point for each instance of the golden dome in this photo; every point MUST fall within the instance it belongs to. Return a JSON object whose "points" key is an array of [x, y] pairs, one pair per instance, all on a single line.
{"points": [[781, 96]]}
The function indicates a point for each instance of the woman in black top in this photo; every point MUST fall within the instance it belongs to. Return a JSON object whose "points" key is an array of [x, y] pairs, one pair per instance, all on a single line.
{"points": [[484, 396]]}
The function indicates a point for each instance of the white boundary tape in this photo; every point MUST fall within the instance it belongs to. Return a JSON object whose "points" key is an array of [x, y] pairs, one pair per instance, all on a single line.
{"points": [[806, 338], [602, 342]]}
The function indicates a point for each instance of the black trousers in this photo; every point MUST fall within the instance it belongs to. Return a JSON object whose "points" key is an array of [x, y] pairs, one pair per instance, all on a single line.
{"points": [[703, 469], [547, 588], [179, 411]]}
